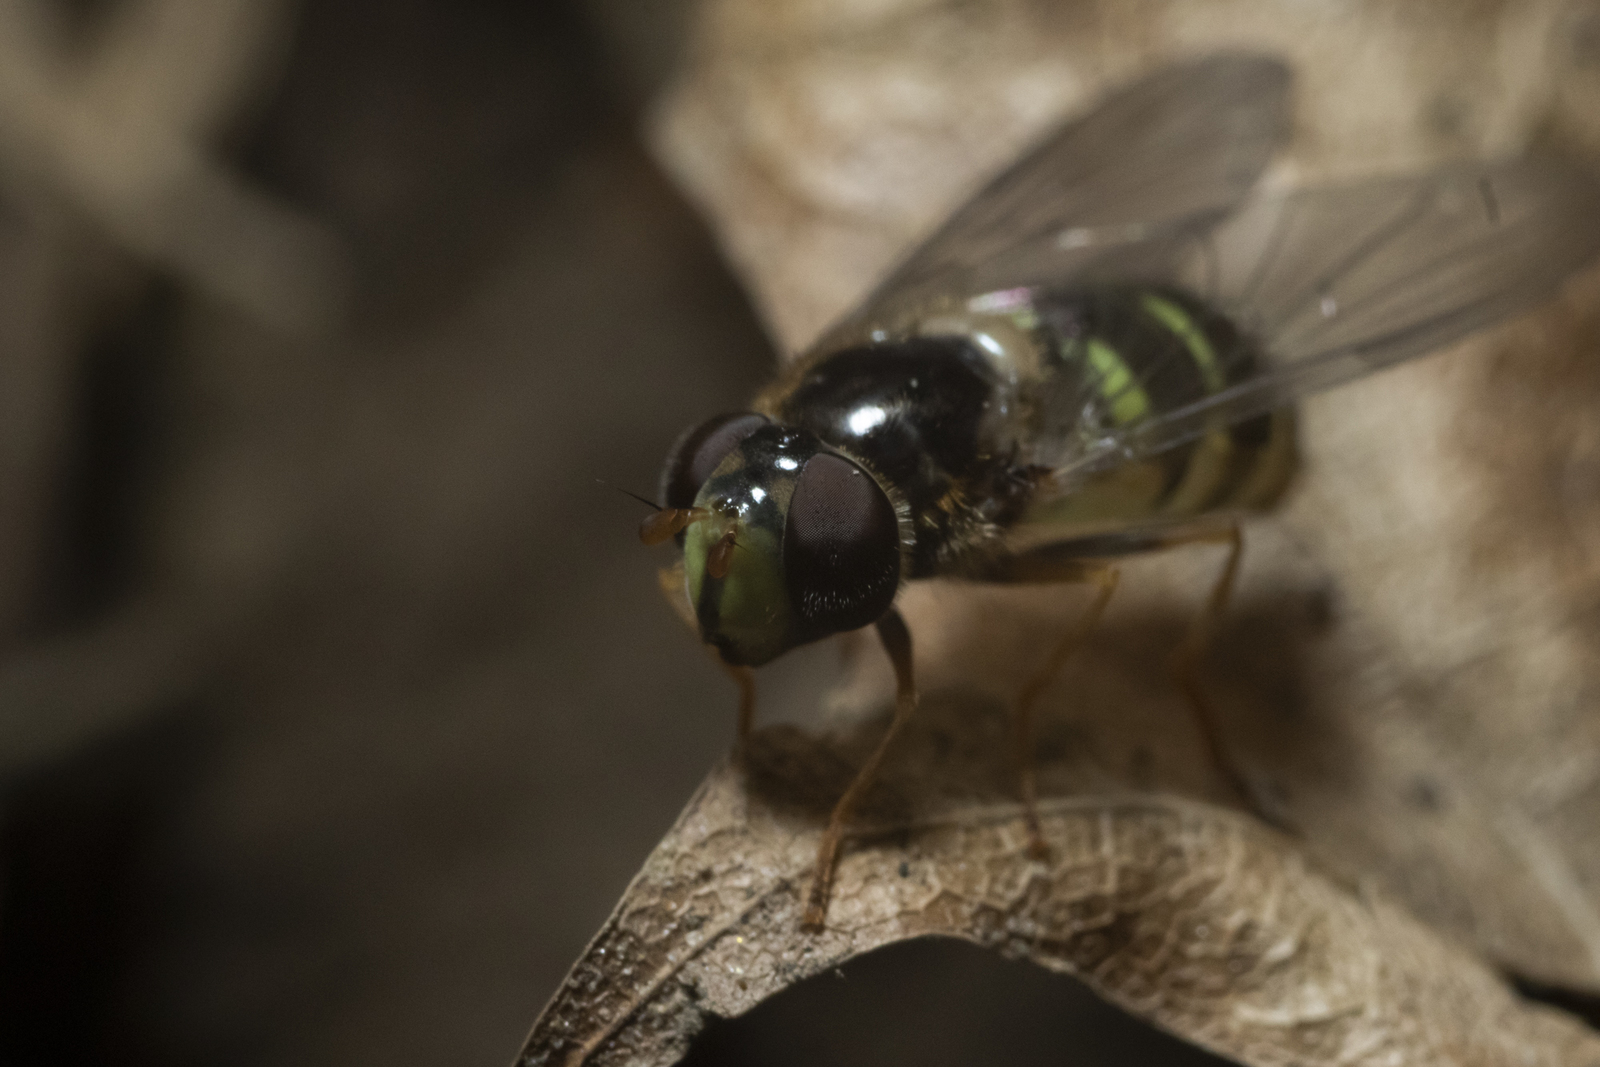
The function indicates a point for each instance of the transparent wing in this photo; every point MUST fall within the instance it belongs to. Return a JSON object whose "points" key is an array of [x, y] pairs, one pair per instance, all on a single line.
{"points": [[1334, 283], [1166, 156]]}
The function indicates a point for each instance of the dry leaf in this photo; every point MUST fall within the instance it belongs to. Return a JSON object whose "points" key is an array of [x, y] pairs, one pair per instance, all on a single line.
{"points": [[1409, 668], [1203, 921]]}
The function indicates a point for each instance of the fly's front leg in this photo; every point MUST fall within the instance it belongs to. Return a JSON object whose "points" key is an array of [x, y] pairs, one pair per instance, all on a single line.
{"points": [[671, 582], [897, 643], [745, 679]]}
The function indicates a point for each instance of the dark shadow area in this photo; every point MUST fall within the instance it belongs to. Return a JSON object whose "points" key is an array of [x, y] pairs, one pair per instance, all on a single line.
{"points": [[114, 463], [1585, 1006], [81, 845], [419, 126], [934, 1002]]}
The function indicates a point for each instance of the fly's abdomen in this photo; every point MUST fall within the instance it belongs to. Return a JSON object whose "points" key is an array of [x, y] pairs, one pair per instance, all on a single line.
{"points": [[1117, 356]]}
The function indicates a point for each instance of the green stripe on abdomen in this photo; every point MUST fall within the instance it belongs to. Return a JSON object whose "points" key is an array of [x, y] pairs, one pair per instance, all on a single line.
{"points": [[1121, 391], [1140, 351], [1143, 352], [1194, 339]]}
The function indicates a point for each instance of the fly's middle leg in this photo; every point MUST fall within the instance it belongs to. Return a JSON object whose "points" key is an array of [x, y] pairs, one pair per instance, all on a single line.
{"points": [[1104, 578], [1057, 563], [1190, 653], [1084, 560], [1186, 659]]}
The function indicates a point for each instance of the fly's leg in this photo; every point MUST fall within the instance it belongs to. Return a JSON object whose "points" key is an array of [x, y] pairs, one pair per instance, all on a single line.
{"points": [[897, 643], [745, 679], [1075, 561], [671, 582], [1186, 660], [1104, 578]]}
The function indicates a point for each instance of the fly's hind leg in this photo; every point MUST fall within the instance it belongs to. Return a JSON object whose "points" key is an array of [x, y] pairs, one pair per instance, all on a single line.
{"points": [[897, 643], [1043, 568], [671, 582]]}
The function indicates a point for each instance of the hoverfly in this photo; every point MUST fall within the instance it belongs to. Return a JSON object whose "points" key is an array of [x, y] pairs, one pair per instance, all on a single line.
{"points": [[1096, 356]]}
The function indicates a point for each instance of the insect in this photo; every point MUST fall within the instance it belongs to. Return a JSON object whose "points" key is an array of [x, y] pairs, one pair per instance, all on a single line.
{"points": [[1097, 356]]}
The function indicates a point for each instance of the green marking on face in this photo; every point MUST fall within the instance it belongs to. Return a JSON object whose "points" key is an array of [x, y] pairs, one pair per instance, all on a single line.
{"points": [[1194, 339], [749, 608], [697, 541], [747, 615], [1126, 396]]}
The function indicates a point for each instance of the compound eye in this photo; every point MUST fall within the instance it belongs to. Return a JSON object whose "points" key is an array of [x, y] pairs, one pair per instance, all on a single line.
{"points": [[700, 452], [841, 546]]}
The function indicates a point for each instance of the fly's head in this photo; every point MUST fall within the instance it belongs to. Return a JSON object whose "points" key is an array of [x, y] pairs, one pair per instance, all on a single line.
{"points": [[785, 541]]}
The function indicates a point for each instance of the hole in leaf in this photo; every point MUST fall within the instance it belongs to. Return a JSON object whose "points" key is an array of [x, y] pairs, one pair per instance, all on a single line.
{"points": [[939, 1001]]}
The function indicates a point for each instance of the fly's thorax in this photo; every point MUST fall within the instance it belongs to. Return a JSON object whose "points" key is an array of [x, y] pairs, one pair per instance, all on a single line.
{"points": [[932, 417], [1002, 326], [996, 329], [799, 542]]}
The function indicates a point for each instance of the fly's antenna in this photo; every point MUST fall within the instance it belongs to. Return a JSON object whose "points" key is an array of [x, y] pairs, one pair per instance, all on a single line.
{"points": [[628, 492], [669, 522], [664, 522]]}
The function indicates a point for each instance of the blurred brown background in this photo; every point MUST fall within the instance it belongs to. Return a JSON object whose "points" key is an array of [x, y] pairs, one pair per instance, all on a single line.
{"points": [[337, 703]]}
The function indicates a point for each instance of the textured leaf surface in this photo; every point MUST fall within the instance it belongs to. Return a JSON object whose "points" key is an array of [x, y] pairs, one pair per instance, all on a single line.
{"points": [[1203, 921]]}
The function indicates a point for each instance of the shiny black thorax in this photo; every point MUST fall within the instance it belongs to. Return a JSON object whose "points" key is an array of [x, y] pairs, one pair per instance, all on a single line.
{"points": [[920, 413]]}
